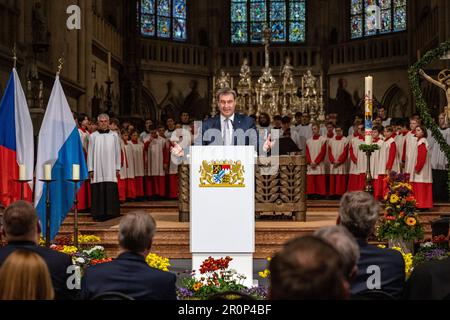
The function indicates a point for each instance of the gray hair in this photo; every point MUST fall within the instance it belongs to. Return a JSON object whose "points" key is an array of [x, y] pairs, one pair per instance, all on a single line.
{"points": [[344, 243], [224, 91], [359, 212], [136, 231], [103, 116]]}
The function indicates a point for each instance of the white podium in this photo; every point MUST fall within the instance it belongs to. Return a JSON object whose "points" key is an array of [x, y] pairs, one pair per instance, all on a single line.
{"points": [[222, 219]]}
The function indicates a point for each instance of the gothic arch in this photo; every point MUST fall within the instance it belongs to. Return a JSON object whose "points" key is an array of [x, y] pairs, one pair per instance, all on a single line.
{"points": [[396, 102], [148, 104]]}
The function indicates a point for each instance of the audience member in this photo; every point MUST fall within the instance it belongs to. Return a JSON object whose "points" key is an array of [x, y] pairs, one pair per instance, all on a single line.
{"points": [[21, 230], [25, 276], [307, 268], [378, 269], [129, 274]]}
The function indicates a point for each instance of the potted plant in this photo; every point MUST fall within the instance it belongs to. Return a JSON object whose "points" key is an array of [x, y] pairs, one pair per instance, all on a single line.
{"points": [[400, 224]]}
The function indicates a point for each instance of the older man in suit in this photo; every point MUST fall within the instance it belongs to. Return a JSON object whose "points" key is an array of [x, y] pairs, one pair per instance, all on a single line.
{"points": [[21, 230], [129, 274], [378, 269]]}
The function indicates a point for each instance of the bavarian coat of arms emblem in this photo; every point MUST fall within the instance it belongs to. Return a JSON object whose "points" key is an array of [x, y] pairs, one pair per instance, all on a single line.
{"points": [[225, 173]]}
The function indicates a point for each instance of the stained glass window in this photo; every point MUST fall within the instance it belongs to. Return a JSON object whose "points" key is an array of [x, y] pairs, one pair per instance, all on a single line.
{"points": [[374, 17], [285, 18], [163, 19]]}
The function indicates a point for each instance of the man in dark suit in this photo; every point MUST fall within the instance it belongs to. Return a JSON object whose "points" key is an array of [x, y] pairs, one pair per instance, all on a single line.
{"points": [[229, 128], [129, 273], [378, 269], [21, 230]]}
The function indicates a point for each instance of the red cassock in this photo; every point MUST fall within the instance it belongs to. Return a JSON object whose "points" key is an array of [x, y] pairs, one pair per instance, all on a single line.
{"points": [[388, 161], [355, 183], [316, 149], [421, 179]]}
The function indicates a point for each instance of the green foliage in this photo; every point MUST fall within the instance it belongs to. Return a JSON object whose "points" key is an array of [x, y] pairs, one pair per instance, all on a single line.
{"points": [[414, 79], [369, 147]]}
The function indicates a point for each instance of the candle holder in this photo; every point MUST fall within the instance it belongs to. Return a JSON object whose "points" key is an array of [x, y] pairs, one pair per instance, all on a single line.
{"points": [[75, 214], [369, 149], [22, 187], [47, 210]]}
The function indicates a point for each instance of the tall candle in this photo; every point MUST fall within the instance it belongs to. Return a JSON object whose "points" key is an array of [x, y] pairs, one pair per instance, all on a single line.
{"points": [[75, 172], [47, 172], [22, 172], [368, 109], [109, 65]]}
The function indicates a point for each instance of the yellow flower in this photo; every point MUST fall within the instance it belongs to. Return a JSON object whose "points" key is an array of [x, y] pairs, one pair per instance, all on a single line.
{"points": [[197, 286], [410, 221], [158, 262], [264, 274], [382, 246], [69, 249], [394, 199], [85, 239]]}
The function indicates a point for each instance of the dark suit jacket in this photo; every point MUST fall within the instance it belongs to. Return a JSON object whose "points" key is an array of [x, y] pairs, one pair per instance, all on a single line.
{"points": [[131, 275], [57, 263], [392, 269], [430, 280], [243, 122]]}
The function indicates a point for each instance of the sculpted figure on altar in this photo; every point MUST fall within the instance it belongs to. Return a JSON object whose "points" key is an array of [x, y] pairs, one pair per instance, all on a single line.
{"points": [[224, 80], [443, 82], [310, 84], [287, 72], [245, 74]]}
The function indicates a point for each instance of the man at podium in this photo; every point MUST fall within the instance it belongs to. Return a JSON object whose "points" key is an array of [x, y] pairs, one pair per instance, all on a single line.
{"points": [[228, 128]]}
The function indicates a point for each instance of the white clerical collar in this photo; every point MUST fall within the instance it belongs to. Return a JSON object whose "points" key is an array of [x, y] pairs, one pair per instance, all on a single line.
{"points": [[222, 118]]}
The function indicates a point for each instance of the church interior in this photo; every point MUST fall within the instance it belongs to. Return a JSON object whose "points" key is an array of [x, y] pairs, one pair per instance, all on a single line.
{"points": [[157, 59]]}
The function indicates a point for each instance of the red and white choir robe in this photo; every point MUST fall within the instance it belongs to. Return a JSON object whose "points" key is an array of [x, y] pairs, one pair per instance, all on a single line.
{"points": [[316, 150], [338, 151], [439, 166], [84, 194], [374, 166], [389, 161], [409, 154], [400, 141], [421, 179], [328, 136], [122, 183], [144, 136], [138, 158], [156, 159], [172, 178], [354, 176], [130, 186]]}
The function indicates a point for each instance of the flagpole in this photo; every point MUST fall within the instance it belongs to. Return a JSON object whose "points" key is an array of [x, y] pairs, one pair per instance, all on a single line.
{"points": [[14, 55]]}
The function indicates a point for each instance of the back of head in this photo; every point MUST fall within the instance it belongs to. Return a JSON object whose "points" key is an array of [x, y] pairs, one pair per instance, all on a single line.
{"points": [[19, 221], [25, 276], [307, 268], [359, 212], [136, 231], [344, 242]]}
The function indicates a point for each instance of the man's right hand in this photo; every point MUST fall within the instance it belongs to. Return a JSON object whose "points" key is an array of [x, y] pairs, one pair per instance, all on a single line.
{"points": [[177, 150]]}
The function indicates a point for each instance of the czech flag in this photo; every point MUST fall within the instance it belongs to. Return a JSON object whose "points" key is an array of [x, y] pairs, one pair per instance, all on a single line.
{"points": [[16, 142], [60, 146]]}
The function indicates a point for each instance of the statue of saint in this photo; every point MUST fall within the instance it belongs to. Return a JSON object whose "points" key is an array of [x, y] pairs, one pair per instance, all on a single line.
{"points": [[245, 74], [309, 82], [288, 73], [443, 82], [224, 80]]}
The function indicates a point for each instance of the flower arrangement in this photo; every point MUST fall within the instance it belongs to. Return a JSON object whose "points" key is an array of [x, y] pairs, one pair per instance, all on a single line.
{"points": [[155, 261], [400, 219], [434, 250], [215, 277]]}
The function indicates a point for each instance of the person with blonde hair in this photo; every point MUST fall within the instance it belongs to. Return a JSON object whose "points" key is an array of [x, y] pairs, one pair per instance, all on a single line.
{"points": [[25, 276]]}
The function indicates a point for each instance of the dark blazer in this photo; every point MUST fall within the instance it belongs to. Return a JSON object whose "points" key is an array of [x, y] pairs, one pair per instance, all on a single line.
{"points": [[242, 122], [131, 275], [429, 280], [57, 263], [391, 266]]}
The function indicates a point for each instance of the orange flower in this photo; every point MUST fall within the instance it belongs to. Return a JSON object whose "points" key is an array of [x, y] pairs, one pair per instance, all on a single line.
{"points": [[410, 221], [197, 286], [402, 214]]}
